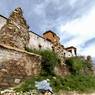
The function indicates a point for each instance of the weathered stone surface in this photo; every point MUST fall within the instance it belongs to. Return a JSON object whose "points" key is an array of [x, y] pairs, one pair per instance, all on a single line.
{"points": [[59, 49], [17, 81], [17, 65], [61, 70], [15, 32]]}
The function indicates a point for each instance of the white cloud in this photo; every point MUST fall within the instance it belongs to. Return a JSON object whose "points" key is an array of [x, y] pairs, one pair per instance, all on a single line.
{"points": [[39, 9], [72, 2], [83, 29], [89, 51]]}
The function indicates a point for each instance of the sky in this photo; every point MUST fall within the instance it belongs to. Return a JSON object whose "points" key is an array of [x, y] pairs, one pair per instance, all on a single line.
{"points": [[72, 20]]}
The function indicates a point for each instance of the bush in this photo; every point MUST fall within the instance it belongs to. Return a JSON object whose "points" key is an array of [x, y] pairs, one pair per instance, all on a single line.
{"points": [[27, 85], [80, 79], [49, 61], [78, 65], [77, 83]]}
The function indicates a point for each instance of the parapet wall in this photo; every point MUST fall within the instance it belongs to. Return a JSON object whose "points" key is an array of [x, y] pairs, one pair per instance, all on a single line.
{"points": [[39, 43]]}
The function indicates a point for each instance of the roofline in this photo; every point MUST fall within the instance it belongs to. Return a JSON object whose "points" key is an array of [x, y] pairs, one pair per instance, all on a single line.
{"points": [[51, 32], [40, 36], [71, 47], [3, 17]]}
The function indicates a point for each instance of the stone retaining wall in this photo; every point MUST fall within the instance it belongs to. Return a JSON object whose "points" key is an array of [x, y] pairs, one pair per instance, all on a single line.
{"points": [[17, 65]]}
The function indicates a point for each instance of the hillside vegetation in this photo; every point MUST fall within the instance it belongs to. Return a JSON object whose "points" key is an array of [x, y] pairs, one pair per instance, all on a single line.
{"points": [[80, 78]]}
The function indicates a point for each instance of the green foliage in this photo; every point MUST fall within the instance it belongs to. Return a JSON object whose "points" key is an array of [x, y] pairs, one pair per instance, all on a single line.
{"points": [[29, 84], [26, 85], [80, 79], [49, 61], [89, 64], [78, 65], [78, 83]]}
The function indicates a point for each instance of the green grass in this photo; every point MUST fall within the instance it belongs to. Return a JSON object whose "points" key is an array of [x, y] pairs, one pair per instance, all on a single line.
{"points": [[81, 78], [77, 83], [78, 65]]}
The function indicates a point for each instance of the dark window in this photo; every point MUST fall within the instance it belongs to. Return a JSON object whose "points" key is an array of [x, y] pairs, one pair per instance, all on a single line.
{"points": [[52, 48], [48, 40], [40, 46], [70, 51], [64, 54]]}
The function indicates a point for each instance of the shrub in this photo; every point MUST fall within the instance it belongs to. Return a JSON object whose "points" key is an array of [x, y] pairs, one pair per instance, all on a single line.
{"points": [[78, 65], [49, 61], [80, 79], [79, 83], [27, 85]]}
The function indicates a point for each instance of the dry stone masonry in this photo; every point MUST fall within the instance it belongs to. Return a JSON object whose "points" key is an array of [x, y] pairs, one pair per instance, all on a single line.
{"points": [[15, 63], [15, 32]]}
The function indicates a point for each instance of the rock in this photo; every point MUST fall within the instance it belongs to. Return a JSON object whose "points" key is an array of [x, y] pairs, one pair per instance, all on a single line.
{"points": [[4, 70], [17, 81], [2, 85]]}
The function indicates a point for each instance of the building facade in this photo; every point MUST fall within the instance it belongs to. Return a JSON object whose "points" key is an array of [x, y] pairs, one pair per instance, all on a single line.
{"points": [[49, 41], [58, 48], [51, 36], [72, 49], [38, 42]]}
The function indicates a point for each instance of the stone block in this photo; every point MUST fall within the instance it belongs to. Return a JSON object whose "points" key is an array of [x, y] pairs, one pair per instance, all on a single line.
{"points": [[17, 81]]}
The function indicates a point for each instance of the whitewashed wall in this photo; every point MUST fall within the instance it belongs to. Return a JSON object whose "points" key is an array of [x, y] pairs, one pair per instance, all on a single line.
{"points": [[73, 52], [67, 54], [36, 40], [3, 21]]}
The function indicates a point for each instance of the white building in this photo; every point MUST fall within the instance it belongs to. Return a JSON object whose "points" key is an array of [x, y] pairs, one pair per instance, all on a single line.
{"points": [[67, 53], [38, 42], [72, 50]]}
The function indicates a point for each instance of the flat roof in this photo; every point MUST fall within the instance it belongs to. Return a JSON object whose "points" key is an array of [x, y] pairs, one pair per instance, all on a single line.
{"points": [[39, 36], [70, 47], [3, 17], [51, 32]]}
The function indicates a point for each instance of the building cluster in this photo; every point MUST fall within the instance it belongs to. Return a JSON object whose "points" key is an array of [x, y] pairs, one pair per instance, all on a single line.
{"points": [[49, 40]]}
